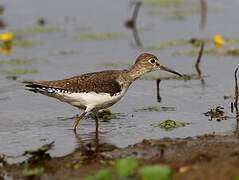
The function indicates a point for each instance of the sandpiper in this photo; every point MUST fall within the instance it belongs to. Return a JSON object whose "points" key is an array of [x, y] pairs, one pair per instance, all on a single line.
{"points": [[95, 91]]}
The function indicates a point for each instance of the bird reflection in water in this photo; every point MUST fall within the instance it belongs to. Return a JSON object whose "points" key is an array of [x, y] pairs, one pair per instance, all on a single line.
{"points": [[91, 145], [131, 23]]}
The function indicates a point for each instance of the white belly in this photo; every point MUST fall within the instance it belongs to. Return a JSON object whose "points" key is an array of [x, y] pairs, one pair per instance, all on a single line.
{"points": [[92, 100]]}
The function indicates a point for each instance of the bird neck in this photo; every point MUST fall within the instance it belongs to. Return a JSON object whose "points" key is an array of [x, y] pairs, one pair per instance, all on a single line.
{"points": [[135, 72]]}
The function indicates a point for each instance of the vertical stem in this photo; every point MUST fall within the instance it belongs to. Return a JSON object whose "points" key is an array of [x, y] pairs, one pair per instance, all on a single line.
{"points": [[198, 62], [236, 98]]}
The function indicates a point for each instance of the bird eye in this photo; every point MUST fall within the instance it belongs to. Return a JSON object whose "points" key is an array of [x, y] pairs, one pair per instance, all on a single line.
{"points": [[152, 61]]}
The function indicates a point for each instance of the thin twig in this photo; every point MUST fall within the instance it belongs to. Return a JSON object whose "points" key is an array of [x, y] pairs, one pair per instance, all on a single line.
{"points": [[236, 98], [198, 63], [236, 91], [199, 55]]}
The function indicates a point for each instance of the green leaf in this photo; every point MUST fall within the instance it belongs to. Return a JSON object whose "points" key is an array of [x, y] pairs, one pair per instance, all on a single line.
{"points": [[235, 178], [155, 173], [126, 167], [33, 171], [103, 174]]}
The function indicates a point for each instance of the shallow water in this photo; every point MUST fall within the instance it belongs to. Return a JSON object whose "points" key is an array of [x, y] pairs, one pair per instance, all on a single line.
{"points": [[28, 120]]}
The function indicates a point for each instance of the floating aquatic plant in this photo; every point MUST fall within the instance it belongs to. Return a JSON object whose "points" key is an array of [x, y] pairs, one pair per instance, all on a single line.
{"points": [[170, 124], [212, 52], [216, 113], [164, 2], [15, 72], [168, 44], [16, 62], [155, 108], [98, 36], [20, 42], [37, 29], [176, 14]]}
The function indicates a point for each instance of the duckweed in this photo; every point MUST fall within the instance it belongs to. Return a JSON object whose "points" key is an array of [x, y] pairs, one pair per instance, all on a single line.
{"points": [[99, 36]]}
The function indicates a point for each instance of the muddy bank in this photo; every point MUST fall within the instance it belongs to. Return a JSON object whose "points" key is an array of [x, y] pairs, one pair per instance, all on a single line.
{"points": [[203, 157]]}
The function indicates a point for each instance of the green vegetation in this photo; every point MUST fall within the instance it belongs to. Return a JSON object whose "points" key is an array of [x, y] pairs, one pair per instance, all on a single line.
{"points": [[155, 109], [36, 29], [233, 52], [103, 174], [19, 42], [235, 178], [32, 172], [126, 169], [99, 36], [176, 14], [170, 124], [164, 2], [193, 41], [168, 44], [211, 51], [15, 72], [16, 62], [216, 113], [155, 172]]}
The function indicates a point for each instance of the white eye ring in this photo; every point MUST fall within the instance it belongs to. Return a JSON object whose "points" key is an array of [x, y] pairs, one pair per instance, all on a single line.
{"points": [[152, 61]]}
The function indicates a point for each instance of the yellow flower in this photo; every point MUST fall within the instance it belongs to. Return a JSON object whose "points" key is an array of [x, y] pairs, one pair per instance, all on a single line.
{"points": [[7, 36], [218, 40]]}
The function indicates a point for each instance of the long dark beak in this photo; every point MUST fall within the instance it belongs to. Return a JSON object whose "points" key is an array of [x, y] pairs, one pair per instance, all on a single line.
{"points": [[169, 70]]}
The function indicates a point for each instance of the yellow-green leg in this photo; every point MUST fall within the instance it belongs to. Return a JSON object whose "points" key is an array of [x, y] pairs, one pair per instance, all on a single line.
{"points": [[78, 118], [97, 133]]}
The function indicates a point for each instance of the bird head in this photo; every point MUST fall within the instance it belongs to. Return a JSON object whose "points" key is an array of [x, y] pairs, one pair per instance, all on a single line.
{"points": [[149, 63]]}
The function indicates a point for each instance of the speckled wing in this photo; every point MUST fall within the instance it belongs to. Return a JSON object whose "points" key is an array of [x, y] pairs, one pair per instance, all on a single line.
{"points": [[99, 82]]}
